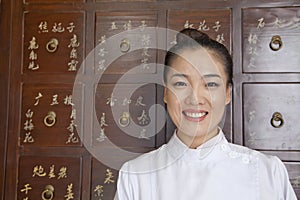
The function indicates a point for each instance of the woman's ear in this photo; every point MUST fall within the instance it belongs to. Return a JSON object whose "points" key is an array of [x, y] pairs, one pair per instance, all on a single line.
{"points": [[165, 94], [228, 94]]}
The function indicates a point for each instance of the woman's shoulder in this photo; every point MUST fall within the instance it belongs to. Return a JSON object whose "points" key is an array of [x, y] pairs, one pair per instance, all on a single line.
{"points": [[147, 161], [264, 160]]}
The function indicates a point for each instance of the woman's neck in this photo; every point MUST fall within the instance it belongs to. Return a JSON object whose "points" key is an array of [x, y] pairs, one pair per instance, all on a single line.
{"points": [[195, 141]]}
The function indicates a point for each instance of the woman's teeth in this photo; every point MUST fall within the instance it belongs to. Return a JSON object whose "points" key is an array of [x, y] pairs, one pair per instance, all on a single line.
{"points": [[195, 115]]}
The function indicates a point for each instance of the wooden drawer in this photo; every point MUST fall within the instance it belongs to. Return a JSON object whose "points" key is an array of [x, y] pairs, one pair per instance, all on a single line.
{"points": [[59, 177], [264, 128], [114, 30], [271, 40], [53, 42], [123, 117], [216, 23], [48, 118], [104, 181]]}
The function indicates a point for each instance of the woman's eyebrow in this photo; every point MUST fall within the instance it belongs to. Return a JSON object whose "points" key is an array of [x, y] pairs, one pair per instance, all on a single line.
{"points": [[211, 76], [179, 75]]}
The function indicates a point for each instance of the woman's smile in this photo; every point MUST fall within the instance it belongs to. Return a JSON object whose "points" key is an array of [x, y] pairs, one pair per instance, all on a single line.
{"points": [[194, 115]]}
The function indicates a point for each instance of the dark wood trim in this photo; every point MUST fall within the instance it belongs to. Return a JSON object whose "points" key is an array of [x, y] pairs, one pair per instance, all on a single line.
{"points": [[5, 39]]}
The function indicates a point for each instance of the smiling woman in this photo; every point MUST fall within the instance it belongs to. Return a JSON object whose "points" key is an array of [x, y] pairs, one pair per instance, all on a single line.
{"points": [[198, 158]]}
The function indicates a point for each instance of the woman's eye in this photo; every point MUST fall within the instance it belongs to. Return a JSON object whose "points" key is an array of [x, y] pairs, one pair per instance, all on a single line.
{"points": [[212, 84], [180, 84]]}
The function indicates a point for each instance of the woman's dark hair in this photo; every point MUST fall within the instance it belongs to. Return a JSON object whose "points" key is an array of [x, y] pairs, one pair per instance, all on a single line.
{"points": [[193, 39]]}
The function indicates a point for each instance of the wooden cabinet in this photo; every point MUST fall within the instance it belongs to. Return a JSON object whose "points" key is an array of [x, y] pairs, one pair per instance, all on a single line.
{"points": [[81, 80]]}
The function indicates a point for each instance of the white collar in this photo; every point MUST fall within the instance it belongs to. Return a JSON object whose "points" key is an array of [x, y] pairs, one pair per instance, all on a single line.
{"points": [[178, 149]]}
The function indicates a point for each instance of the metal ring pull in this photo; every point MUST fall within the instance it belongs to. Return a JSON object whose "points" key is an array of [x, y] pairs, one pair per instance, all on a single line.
{"points": [[277, 120], [48, 193], [124, 119], [52, 45], [50, 119], [125, 45], [275, 43]]}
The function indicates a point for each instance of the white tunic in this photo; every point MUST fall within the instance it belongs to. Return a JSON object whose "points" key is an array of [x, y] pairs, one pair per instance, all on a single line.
{"points": [[216, 170]]}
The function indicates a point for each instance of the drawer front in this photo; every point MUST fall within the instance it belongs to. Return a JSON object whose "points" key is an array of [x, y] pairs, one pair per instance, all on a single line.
{"points": [[123, 32], [271, 116], [104, 181], [49, 177], [48, 116], [123, 117], [271, 40], [216, 23], [53, 42]]}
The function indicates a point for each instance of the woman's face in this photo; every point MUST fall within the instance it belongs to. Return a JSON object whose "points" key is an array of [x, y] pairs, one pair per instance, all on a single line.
{"points": [[196, 95]]}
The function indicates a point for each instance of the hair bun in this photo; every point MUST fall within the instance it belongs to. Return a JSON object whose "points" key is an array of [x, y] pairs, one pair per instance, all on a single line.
{"points": [[191, 33]]}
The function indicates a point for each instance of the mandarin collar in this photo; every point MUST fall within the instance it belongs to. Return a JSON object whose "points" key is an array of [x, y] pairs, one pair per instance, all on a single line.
{"points": [[178, 149]]}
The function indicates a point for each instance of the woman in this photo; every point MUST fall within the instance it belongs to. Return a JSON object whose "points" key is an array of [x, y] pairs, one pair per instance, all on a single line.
{"points": [[198, 162]]}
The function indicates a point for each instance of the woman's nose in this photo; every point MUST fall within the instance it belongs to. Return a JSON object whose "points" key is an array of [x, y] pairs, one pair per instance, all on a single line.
{"points": [[197, 96]]}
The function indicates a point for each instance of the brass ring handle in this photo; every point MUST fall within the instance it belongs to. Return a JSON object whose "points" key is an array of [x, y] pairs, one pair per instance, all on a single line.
{"points": [[277, 120], [275, 43], [48, 193], [124, 119], [50, 119], [125, 45], [52, 45]]}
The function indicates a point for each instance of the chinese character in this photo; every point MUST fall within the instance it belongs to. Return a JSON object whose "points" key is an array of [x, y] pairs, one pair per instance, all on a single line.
{"points": [[139, 101], [28, 125], [68, 100], [109, 176], [43, 27], [98, 191], [102, 40], [203, 26], [39, 171], [73, 53], [72, 65], [33, 44], [113, 26], [127, 26], [51, 173], [252, 39], [26, 188], [71, 27], [102, 121], [54, 100], [70, 194], [32, 66], [101, 65], [143, 119], [143, 25], [74, 42], [111, 100], [32, 55], [58, 28], [71, 126], [62, 173], [28, 138], [146, 40], [188, 25], [261, 23], [38, 99], [29, 113], [220, 38], [126, 101], [73, 114], [217, 26]]}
